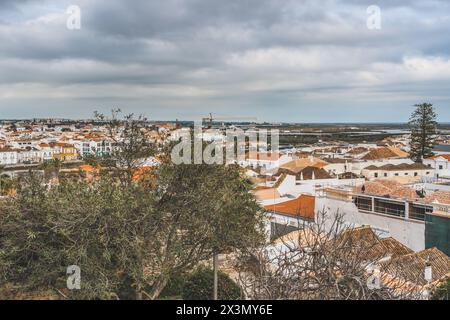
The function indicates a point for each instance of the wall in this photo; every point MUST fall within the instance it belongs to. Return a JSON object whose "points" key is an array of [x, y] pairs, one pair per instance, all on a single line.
{"points": [[410, 233], [437, 232]]}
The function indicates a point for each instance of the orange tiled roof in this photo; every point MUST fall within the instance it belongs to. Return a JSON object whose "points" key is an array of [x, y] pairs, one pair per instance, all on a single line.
{"points": [[87, 168], [384, 153], [439, 196], [416, 263], [298, 164], [445, 156], [142, 172], [303, 206]]}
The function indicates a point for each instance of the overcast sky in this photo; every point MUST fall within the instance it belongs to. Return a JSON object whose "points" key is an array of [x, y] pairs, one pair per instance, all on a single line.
{"points": [[274, 60]]}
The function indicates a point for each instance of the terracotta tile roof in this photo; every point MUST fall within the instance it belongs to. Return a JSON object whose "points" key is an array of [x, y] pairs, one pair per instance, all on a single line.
{"points": [[358, 150], [361, 236], [319, 173], [399, 152], [298, 164], [383, 153], [385, 187], [7, 149], [439, 196], [404, 166], [395, 248], [303, 207], [88, 168], [411, 267], [373, 187], [445, 156], [364, 241], [142, 173]]}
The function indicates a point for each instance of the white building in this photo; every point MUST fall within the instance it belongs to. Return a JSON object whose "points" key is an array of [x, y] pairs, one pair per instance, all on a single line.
{"points": [[8, 156], [46, 150], [397, 218], [30, 155], [267, 160], [440, 164], [415, 170]]}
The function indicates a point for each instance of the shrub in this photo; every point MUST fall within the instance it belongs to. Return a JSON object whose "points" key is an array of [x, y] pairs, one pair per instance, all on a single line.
{"points": [[442, 291], [174, 287], [199, 286]]}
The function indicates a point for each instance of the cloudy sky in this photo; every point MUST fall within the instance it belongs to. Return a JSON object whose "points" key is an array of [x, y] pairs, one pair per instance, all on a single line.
{"points": [[274, 60]]}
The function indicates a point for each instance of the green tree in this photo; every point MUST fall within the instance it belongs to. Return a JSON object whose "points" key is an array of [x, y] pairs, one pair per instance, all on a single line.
{"points": [[423, 127], [130, 144], [102, 227], [199, 286], [125, 235], [203, 209], [442, 291]]}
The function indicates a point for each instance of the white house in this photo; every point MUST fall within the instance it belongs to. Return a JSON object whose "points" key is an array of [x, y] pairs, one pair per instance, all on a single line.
{"points": [[30, 155], [440, 164], [415, 170], [46, 150], [8, 156]]}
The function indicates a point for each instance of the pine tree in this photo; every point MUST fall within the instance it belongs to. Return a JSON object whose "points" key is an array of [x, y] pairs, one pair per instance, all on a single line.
{"points": [[423, 126]]}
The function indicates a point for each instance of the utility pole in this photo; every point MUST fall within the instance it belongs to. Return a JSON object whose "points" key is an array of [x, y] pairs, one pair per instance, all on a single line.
{"points": [[215, 270]]}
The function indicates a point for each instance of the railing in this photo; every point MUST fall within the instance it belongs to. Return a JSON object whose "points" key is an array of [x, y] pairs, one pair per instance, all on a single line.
{"points": [[417, 212], [389, 211], [364, 206]]}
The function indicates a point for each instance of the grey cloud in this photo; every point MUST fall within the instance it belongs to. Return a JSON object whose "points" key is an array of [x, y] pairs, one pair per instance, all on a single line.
{"points": [[260, 53]]}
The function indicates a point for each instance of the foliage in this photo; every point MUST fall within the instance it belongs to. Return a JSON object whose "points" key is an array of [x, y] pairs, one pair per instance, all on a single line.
{"points": [[100, 227], [203, 209], [423, 127], [442, 291], [174, 286], [131, 146], [126, 236], [199, 286]]}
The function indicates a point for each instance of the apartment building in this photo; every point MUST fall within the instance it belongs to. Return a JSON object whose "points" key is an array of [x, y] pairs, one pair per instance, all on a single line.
{"points": [[64, 151], [419, 222], [97, 147]]}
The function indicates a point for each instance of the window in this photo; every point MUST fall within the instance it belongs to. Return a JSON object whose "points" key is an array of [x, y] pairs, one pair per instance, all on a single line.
{"points": [[363, 203], [441, 167], [389, 207], [417, 211], [376, 174], [415, 174], [396, 174], [406, 173], [385, 174]]}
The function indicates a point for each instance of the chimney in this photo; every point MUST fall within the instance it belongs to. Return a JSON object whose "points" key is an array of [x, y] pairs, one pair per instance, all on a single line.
{"points": [[428, 271]]}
